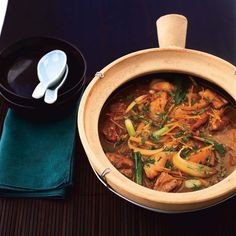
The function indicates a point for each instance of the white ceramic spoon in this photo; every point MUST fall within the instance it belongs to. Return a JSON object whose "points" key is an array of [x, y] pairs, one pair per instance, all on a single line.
{"points": [[50, 69], [51, 94]]}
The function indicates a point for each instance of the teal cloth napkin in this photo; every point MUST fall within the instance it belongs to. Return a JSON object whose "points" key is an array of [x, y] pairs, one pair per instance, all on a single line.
{"points": [[36, 157]]}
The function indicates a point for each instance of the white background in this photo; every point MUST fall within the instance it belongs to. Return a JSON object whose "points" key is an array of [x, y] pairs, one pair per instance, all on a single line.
{"points": [[3, 6]]}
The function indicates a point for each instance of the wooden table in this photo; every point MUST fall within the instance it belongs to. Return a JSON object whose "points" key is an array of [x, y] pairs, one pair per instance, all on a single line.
{"points": [[105, 30]]}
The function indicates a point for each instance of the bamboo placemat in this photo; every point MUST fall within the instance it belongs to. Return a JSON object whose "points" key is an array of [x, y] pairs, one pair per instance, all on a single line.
{"points": [[91, 209]]}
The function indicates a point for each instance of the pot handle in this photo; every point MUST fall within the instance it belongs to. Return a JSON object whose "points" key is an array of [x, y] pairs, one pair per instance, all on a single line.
{"points": [[171, 31]]}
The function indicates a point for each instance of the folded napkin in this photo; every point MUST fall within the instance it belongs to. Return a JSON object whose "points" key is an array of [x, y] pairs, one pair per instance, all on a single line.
{"points": [[36, 157]]}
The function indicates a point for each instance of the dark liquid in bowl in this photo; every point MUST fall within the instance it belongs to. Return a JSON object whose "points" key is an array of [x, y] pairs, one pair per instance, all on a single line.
{"points": [[170, 134]]}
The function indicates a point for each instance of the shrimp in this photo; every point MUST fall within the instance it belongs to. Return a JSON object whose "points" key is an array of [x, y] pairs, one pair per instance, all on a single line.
{"points": [[122, 163], [158, 163], [158, 105], [160, 85], [166, 183]]}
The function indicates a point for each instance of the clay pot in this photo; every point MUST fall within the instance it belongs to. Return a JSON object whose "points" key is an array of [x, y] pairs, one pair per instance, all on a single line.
{"points": [[170, 57]]}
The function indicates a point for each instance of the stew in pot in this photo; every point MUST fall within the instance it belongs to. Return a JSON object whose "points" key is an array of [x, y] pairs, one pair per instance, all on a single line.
{"points": [[170, 135]]}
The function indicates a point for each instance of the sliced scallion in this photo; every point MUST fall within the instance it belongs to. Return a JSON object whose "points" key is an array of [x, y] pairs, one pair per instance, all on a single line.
{"points": [[160, 132], [130, 127], [192, 183], [138, 167]]}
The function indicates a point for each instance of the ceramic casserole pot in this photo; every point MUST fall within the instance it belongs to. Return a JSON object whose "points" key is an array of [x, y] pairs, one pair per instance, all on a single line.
{"points": [[172, 56]]}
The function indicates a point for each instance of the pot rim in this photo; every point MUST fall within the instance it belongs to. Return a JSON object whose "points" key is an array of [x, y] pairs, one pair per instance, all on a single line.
{"points": [[118, 181]]}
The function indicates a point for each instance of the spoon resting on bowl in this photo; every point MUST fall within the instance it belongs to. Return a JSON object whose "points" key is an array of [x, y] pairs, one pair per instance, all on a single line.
{"points": [[50, 70], [51, 93]]}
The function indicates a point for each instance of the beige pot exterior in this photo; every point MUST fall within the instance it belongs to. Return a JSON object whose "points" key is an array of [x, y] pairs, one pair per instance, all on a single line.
{"points": [[126, 68]]}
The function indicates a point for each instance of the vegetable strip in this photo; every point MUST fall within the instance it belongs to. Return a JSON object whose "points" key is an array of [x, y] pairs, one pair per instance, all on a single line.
{"points": [[136, 101], [130, 128], [192, 168], [143, 151], [138, 167]]}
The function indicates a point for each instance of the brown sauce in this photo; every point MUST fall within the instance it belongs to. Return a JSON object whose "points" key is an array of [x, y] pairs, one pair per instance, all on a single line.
{"points": [[170, 135]]}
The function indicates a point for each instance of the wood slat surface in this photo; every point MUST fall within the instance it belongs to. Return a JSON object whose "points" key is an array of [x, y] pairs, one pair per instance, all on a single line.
{"points": [[91, 209]]}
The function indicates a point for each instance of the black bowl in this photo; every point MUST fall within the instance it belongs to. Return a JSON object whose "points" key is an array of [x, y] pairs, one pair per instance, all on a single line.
{"points": [[18, 73], [47, 112]]}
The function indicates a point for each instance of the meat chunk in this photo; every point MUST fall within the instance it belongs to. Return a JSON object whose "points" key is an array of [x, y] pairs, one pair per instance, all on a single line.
{"points": [[166, 183], [160, 85], [158, 104], [218, 124], [218, 121], [155, 165], [216, 100], [122, 163]]}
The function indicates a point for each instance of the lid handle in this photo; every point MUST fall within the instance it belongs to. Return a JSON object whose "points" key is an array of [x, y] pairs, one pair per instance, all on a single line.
{"points": [[171, 31]]}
